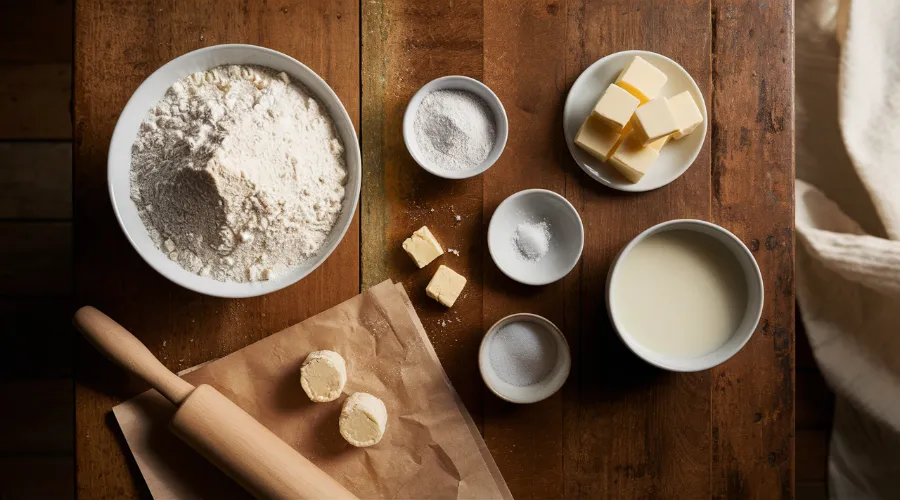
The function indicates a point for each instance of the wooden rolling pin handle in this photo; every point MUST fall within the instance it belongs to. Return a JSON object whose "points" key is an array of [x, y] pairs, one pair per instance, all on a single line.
{"points": [[124, 349]]}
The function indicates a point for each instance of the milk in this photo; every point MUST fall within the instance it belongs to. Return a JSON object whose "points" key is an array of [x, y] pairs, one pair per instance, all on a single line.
{"points": [[679, 293]]}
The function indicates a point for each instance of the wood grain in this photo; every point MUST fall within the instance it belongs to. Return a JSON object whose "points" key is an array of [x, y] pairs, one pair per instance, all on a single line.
{"points": [[414, 43], [35, 101], [36, 31], [30, 477], [752, 195], [36, 180], [40, 258], [123, 42], [522, 47], [634, 431]]}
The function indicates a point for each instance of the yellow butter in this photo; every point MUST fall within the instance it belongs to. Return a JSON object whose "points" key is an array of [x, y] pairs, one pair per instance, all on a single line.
{"points": [[642, 79], [422, 247], [633, 160], [659, 143], [653, 121], [615, 107], [445, 286], [687, 114], [597, 138]]}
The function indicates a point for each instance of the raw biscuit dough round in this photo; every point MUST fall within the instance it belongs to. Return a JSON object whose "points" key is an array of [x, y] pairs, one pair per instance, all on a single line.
{"points": [[363, 419], [323, 376]]}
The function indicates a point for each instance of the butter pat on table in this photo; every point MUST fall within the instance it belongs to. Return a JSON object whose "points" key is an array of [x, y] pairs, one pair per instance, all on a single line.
{"points": [[445, 286], [687, 114], [615, 107], [653, 121], [597, 138], [633, 160], [422, 247], [642, 79]]}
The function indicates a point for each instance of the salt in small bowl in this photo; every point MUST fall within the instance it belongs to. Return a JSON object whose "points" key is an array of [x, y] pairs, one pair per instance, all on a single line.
{"points": [[539, 391], [467, 84], [565, 227]]}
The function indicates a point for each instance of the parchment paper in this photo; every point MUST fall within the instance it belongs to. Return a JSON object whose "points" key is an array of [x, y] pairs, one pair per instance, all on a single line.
{"points": [[432, 448]]}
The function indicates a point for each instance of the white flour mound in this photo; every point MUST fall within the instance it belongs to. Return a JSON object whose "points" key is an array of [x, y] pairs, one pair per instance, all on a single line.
{"points": [[238, 174]]}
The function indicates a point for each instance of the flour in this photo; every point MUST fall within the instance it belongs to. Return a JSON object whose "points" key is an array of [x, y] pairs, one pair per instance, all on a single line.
{"points": [[454, 130], [238, 174]]}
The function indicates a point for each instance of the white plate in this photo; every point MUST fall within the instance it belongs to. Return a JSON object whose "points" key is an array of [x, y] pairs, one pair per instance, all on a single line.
{"points": [[566, 243], [674, 159], [151, 91], [455, 82]]}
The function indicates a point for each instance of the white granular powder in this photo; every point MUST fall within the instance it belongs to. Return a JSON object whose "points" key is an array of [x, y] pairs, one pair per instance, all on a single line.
{"points": [[522, 353], [454, 130], [532, 240], [238, 174]]}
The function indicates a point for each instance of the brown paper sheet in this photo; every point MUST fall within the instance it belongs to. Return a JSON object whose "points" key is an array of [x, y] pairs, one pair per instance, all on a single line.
{"points": [[432, 448]]}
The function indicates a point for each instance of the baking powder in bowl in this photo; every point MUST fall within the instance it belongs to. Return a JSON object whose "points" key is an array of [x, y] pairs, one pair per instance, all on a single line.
{"points": [[522, 353], [238, 174], [454, 130]]}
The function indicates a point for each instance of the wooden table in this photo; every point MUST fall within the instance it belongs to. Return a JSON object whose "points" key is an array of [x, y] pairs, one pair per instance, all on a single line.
{"points": [[618, 428]]}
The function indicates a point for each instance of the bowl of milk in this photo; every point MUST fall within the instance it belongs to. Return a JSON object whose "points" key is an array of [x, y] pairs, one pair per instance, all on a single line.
{"points": [[685, 295]]}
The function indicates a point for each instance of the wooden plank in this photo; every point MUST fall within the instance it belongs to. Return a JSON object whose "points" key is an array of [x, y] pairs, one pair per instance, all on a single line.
{"points": [[752, 196], [631, 430], [118, 44], [522, 47], [40, 259], [40, 419], [35, 101], [36, 179], [36, 31], [413, 43], [37, 337], [30, 477]]}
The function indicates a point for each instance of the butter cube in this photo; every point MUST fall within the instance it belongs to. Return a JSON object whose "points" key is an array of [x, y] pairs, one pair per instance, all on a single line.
{"points": [[633, 160], [687, 114], [615, 107], [597, 138], [653, 121], [445, 286], [642, 79], [659, 143], [422, 247]]}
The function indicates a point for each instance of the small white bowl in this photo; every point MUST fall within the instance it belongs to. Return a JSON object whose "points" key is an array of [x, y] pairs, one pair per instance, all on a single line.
{"points": [[454, 82], [566, 229], [151, 91], [739, 337], [674, 159], [529, 393]]}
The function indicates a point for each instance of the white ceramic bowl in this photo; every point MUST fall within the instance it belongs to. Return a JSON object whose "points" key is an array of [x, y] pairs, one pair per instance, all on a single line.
{"points": [[456, 83], [744, 330], [530, 393], [566, 229], [151, 91], [674, 159]]}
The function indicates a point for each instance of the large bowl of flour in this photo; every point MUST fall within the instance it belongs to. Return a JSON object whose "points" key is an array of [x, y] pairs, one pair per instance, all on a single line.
{"points": [[234, 170]]}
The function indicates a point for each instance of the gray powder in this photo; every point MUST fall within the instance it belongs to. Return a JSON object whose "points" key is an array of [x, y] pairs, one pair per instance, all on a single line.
{"points": [[522, 353], [454, 130]]}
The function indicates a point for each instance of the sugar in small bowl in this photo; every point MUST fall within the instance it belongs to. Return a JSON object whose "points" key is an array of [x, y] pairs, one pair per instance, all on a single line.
{"points": [[455, 127], [524, 358]]}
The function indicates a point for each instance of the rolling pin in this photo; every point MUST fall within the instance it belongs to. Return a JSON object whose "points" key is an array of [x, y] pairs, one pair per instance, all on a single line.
{"points": [[211, 424]]}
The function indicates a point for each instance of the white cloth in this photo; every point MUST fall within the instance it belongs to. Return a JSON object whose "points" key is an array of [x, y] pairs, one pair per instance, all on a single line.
{"points": [[848, 230]]}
